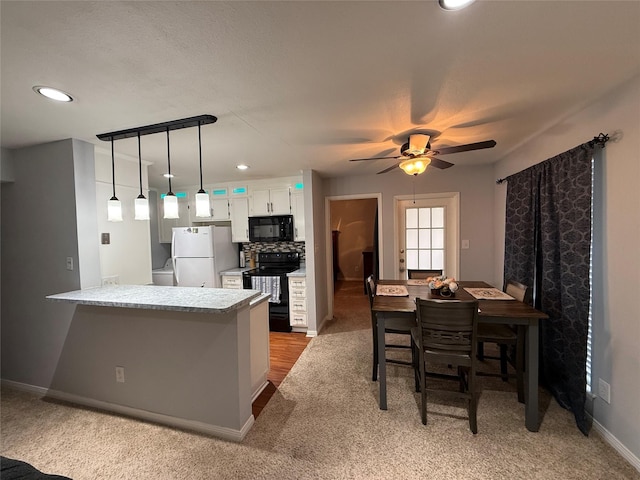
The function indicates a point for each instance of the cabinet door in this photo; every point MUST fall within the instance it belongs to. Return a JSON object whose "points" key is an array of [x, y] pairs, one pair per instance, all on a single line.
{"points": [[260, 202], [220, 209], [297, 209], [279, 201], [239, 209], [272, 201]]}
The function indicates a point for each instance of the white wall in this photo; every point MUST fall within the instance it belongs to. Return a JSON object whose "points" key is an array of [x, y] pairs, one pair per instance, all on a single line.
{"points": [[616, 323], [128, 256]]}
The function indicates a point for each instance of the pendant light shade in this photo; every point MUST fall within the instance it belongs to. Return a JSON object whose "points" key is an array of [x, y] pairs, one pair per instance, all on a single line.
{"points": [[171, 206], [141, 203], [114, 207], [170, 200], [203, 207]]}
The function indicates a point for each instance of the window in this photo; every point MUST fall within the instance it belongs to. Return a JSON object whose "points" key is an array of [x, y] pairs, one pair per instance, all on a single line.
{"points": [[425, 237]]}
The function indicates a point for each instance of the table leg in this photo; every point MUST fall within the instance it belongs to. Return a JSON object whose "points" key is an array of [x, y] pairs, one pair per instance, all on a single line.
{"points": [[382, 363], [531, 384]]}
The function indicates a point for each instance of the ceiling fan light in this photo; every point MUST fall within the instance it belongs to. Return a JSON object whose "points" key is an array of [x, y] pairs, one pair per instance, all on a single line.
{"points": [[203, 207], [171, 206], [415, 166]]}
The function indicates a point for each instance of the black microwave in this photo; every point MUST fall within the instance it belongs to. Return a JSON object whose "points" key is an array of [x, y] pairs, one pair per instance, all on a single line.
{"points": [[277, 228]]}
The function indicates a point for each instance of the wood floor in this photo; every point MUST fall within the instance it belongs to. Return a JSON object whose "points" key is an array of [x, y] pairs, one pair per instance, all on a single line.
{"points": [[284, 350]]}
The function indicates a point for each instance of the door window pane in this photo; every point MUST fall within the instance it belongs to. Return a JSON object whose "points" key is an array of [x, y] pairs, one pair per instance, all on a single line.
{"points": [[425, 236]]}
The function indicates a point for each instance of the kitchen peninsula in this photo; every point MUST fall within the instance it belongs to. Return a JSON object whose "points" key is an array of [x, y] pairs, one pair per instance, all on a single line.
{"points": [[194, 358]]}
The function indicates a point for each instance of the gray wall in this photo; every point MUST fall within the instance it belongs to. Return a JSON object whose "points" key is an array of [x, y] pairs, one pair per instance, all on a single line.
{"points": [[39, 218], [616, 274], [476, 186]]}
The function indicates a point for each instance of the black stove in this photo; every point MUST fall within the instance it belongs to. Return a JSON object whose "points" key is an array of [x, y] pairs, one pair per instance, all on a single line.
{"points": [[272, 266]]}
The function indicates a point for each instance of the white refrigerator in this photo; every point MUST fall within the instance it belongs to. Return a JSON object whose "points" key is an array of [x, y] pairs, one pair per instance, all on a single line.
{"points": [[199, 254]]}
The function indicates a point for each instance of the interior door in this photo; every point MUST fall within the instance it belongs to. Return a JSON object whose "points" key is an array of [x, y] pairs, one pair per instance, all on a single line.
{"points": [[428, 235]]}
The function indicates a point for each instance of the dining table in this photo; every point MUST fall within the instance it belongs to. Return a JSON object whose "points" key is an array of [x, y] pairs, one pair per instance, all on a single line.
{"points": [[490, 310]]}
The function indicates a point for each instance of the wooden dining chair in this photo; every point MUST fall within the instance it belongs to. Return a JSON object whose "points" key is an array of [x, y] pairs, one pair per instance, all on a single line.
{"points": [[507, 337], [420, 274], [446, 336], [398, 323]]}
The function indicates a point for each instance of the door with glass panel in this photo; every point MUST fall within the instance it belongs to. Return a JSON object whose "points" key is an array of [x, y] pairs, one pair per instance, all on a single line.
{"points": [[428, 235]]}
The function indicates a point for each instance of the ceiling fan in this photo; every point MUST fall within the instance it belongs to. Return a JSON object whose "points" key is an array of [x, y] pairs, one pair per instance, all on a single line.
{"points": [[416, 154]]}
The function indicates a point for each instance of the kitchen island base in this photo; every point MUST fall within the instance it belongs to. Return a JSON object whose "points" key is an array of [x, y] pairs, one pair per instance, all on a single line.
{"points": [[189, 369]]}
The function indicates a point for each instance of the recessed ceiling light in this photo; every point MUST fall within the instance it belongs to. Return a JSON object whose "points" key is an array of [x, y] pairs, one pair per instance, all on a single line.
{"points": [[242, 166], [53, 94], [455, 4], [168, 175]]}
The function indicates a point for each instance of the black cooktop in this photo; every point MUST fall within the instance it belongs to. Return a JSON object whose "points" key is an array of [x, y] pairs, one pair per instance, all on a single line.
{"points": [[275, 263]]}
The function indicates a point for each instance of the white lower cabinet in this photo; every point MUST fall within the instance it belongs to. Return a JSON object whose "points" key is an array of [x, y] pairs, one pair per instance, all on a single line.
{"points": [[298, 302]]}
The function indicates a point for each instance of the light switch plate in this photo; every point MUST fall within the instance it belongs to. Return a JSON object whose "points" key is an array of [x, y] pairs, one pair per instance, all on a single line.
{"points": [[465, 244]]}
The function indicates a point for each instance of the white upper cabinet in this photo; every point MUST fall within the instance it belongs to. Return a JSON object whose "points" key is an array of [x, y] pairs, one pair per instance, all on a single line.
{"points": [[269, 201], [239, 213], [297, 209]]}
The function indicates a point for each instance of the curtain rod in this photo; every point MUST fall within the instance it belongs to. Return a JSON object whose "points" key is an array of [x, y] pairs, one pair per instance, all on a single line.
{"points": [[598, 141]]}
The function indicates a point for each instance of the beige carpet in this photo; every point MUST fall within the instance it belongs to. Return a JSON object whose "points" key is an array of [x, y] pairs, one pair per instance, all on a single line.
{"points": [[323, 422]]}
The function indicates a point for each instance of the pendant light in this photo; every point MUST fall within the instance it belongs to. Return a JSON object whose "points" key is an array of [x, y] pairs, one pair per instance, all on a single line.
{"points": [[114, 207], [203, 207], [141, 203], [170, 200]]}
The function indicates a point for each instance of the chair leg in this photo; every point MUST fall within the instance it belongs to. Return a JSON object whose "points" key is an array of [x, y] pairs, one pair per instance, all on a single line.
{"points": [[374, 374], [520, 363], [473, 411], [480, 352], [423, 393], [473, 402], [503, 363]]}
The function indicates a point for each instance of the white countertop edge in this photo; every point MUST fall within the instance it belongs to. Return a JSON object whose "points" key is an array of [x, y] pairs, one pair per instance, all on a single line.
{"points": [[153, 297]]}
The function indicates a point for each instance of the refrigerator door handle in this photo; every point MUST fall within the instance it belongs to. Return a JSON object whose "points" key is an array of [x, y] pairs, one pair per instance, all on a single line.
{"points": [[173, 257]]}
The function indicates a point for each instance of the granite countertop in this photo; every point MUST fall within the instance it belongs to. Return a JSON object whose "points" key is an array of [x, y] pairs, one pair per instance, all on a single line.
{"points": [[153, 297], [301, 272]]}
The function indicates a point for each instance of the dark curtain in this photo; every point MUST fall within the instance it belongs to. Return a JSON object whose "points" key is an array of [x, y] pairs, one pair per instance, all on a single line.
{"points": [[547, 246]]}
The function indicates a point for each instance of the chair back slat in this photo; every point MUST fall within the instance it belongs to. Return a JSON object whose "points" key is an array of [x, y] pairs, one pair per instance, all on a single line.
{"points": [[518, 291], [448, 325]]}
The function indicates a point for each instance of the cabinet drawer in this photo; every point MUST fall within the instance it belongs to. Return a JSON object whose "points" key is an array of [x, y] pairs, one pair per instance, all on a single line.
{"points": [[297, 282], [297, 293], [232, 282], [298, 320], [298, 305]]}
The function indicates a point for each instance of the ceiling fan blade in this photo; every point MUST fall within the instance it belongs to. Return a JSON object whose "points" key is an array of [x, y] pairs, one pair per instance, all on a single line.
{"points": [[465, 148], [441, 164], [388, 169], [374, 158]]}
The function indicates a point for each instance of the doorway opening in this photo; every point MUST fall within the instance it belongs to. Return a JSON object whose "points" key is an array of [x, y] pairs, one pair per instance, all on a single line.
{"points": [[355, 243]]}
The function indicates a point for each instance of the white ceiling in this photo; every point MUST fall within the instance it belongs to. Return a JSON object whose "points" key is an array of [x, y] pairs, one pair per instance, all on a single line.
{"points": [[307, 85]]}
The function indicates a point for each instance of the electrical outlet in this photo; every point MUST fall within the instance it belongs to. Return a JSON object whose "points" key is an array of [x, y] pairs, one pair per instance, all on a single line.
{"points": [[604, 390], [69, 263], [120, 374]]}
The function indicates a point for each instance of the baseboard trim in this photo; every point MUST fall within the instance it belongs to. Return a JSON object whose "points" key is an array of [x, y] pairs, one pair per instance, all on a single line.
{"points": [[200, 427], [618, 446], [259, 391]]}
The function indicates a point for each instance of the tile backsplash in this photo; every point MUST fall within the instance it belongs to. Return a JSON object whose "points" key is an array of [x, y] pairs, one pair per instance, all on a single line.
{"points": [[259, 247]]}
